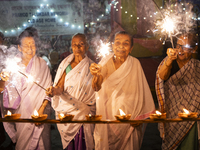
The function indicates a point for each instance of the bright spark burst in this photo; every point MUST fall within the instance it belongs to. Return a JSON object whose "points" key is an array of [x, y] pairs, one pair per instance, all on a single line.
{"points": [[30, 78], [168, 25], [104, 49], [11, 65]]}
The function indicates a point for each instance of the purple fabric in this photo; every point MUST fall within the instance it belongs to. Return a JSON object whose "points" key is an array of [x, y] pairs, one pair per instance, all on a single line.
{"points": [[78, 143]]}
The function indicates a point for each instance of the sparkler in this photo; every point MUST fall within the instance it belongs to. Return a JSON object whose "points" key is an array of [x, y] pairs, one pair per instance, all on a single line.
{"points": [[174, 22], [104, 49], [30, 79], [13, 67]]}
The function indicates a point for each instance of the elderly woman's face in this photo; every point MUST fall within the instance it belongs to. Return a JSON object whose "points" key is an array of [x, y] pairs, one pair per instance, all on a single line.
{"points": [[122, 45], [27, 47], [184, 48], [79, 45]]}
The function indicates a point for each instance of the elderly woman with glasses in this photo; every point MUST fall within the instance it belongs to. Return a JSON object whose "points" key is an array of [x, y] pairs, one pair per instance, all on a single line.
{"points": [[177, 87], [22, 97]]}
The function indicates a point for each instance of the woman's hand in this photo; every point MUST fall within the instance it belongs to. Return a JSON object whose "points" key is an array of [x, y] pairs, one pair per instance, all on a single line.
{"points": [[96, 82], [172, 54], [41, 110], [51, 91], [4, 76], [95, 69]]}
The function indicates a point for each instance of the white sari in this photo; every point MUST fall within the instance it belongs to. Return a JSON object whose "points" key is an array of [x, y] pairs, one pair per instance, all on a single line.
{"points": [[23, 98], [77, 99], [127, 89]]}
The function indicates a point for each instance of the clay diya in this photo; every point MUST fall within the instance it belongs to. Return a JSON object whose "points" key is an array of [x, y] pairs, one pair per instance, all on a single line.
{"points": [[37, 117], [187, 114], [65, 117], [158, 115], [93, 117], [123, 116], [11, 116]]}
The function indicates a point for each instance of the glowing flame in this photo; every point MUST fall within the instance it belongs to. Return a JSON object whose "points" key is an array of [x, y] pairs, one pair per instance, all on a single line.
{"points": [[9, 113], [168, 25], [90, 115], [36, 113], [104, 49], [121, 113], [158, 113], [186, 111], [62, 115]]}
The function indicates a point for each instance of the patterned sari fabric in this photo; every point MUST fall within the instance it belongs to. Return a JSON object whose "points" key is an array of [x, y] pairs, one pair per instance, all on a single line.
{"points": [[180, 91]]}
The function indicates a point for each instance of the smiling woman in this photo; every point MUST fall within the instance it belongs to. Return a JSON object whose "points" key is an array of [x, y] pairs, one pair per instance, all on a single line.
{"points": [[22, 97], [121, 84]]}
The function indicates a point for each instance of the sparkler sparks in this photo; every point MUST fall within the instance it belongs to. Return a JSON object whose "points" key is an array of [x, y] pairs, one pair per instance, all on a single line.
{"points": [[174, 21], [104, 49]]}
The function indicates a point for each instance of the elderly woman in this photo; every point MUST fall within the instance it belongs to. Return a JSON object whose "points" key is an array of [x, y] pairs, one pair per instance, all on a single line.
{"points": [[177, 87], [121, 84], [22, 97], [74, 95]]}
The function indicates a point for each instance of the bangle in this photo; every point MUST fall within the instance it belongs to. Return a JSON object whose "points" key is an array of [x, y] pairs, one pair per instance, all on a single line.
{"points": [[166, 63]]}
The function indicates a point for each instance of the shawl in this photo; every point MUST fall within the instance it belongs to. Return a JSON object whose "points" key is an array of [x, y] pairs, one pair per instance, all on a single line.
{"points": [[127, 89], [180, 91], [23, 98], [77, 99]]}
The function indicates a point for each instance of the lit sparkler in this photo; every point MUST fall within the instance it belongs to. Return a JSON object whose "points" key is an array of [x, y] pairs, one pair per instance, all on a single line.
{"points": [[11, 65], [174, 21], [104, 49]]}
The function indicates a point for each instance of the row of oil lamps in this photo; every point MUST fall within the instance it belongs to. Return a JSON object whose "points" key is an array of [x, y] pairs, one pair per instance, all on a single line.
{"points": [[121, 117]]}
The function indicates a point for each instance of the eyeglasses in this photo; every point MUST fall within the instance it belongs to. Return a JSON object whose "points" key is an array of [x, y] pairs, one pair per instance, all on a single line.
{"points": [[186, 47]]}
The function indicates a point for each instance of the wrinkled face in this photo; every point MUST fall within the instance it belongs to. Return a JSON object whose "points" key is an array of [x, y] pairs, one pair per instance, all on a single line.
{"points": [[27, 47], [184, 48], [79, 46], [122, 45]]}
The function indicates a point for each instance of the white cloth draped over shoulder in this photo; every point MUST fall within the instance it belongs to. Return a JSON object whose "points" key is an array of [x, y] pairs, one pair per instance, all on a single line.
{"points": [[127, 89], [23, 98], [77, 99]]}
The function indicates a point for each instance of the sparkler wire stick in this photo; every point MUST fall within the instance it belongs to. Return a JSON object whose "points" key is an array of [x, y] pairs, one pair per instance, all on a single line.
{"points": [[33, 81]]}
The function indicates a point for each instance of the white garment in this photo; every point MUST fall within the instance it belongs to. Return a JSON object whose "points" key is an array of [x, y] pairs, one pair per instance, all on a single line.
{"points": [[77, 99], [24, 98], [127, 89]]}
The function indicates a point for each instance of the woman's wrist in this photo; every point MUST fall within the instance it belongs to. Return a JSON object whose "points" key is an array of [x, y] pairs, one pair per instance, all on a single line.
{"points": [[166, 64]]}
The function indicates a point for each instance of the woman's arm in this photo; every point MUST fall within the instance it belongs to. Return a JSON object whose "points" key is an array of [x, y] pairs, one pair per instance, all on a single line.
{"points": [[58, 89], [165, 69], [97, 79]]}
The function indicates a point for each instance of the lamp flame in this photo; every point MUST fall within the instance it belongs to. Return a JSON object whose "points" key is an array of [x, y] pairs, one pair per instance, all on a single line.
{"points": [[158, 113], [9, 113], [186, 111], [62, 115], [36, 113], [121, 113]]}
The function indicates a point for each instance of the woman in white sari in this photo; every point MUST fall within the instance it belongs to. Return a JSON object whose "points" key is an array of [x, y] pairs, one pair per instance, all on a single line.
{"points": [[74, 95], [121, 84], [21, 97]]}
